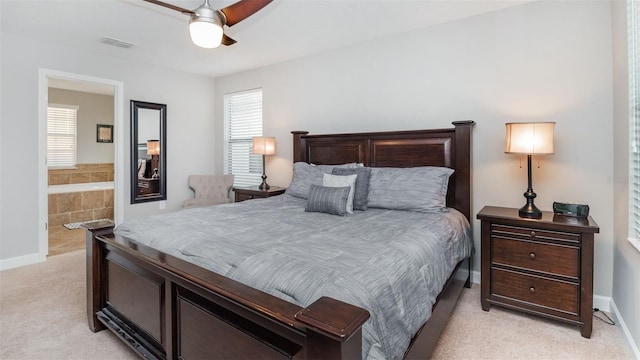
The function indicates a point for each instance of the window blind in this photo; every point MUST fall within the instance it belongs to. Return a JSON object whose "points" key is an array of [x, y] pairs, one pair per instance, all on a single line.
{"points": [[633, 21], [61, 135], [243, 120]]}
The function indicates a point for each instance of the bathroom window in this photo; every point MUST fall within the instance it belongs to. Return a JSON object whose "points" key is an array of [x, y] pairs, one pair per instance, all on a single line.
{"points": [[61, 135]]}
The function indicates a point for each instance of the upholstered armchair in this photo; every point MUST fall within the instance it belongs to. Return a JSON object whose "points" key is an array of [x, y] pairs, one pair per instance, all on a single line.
{"points": [[209, 190]]}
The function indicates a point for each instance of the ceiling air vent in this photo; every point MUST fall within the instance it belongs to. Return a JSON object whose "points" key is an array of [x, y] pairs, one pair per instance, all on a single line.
{"points": [[115, 42]]}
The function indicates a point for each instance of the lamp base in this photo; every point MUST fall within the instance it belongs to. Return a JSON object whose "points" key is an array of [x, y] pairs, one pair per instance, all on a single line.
{"points": [[530, 211], [264, 185]]}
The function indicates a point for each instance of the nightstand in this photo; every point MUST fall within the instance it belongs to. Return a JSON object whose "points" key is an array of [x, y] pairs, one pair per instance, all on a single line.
{"points": [[248, 193], [539, 266], [148, 186]]}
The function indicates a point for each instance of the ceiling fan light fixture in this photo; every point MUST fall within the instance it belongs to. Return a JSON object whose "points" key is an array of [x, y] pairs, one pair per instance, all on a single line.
{"points": [[205, 33], [205, 26]]}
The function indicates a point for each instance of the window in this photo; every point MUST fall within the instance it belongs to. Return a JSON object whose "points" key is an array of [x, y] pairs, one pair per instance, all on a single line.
{"points": [[61, 135], [242, 121], [633, 21]]}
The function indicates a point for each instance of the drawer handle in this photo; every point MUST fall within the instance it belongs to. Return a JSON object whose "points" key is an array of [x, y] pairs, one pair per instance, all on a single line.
{"points": [[533, 233], [532, 289], [532, 255]]}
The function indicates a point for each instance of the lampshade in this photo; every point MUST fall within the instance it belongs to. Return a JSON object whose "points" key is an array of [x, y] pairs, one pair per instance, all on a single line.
{"points": [[205, 27], [530, 138], [153, 147], [264, 145]]}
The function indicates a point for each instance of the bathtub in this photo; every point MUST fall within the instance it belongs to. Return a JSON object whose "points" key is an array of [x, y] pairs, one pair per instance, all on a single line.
{"points": [[82, 187]]}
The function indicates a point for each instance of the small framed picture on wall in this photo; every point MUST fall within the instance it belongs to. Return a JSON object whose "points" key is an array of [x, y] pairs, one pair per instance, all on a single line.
{"points": [[104, 133]]}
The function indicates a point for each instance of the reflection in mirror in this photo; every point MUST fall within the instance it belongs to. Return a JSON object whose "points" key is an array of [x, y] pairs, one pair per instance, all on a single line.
{"points": [[148, 151]]}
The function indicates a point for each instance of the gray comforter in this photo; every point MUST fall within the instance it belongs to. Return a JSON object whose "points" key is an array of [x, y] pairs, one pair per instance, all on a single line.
{"points": [[392, 263]]}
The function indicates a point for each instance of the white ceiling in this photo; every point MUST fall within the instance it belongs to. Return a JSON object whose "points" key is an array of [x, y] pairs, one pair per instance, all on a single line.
{"points": [[284, 30]]}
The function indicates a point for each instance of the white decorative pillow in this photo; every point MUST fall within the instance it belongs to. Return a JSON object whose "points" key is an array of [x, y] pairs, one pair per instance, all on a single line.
{"points": [[342, 181]]}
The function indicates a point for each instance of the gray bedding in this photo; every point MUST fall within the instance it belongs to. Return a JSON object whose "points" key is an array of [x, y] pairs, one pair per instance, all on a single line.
{"points": [[392, 263]]}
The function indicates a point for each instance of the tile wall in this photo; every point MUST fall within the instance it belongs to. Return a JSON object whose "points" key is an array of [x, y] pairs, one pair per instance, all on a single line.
{"points": [[81, 206], [83, 173]]}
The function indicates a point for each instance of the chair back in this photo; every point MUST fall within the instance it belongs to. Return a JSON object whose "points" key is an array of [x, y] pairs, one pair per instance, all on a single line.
{"points": [[209, 190]]}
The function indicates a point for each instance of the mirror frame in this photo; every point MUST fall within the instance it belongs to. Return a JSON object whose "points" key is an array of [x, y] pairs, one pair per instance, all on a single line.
{"points": [[162, 165]]}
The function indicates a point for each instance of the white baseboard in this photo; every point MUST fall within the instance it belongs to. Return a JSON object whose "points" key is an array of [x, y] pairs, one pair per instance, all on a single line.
{"points": [[6, 264], [620, 321], [602, 303], [475, 277]]}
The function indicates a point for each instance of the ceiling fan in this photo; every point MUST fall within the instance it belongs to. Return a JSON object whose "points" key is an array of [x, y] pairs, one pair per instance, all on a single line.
{"points": [[206, 24]]}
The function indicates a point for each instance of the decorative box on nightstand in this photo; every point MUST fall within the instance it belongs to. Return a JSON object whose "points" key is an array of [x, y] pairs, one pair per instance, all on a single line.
{"points": [[539, 266], [248, 193]]}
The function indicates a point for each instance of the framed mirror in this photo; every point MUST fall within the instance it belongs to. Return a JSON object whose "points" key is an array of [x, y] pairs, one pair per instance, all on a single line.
{"points": [[148, 151]]}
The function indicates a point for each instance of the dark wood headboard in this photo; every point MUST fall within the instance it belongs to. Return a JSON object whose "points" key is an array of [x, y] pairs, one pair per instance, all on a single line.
{"points": [[436, 147]]}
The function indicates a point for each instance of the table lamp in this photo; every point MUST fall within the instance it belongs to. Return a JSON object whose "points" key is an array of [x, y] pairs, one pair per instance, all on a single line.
{"points": [[264, 146], [533, 138]]}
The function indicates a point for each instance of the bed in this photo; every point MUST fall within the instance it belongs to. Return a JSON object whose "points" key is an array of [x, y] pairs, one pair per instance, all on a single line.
{"points": [[155, 287]]}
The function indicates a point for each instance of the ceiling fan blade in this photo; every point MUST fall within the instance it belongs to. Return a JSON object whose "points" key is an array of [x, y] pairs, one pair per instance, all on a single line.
{"points": [[172, 7], [227, 41], [242, 10]]}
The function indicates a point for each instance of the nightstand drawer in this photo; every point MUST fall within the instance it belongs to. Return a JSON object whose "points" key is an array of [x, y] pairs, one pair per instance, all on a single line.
{"points": [[243, 197], [553, 259], [534, 233], [537, 290]]}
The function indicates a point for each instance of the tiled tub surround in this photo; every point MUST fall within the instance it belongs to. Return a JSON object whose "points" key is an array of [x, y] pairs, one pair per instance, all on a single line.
{"points": [[83, 173], [82, 203], [72, 207]]}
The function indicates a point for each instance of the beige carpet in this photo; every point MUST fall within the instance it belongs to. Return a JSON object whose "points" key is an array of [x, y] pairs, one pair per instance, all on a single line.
{"points": [[43, 316], [505, 334]]}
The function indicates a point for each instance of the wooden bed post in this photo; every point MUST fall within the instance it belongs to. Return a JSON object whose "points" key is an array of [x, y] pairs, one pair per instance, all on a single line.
{"points": [[334, 329], [463, 166], [299, 146], [463, 172], [95, 270]]}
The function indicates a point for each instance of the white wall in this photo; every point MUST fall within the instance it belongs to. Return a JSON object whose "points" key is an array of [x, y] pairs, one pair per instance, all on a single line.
{"points": [[545, 61], [190, 128]]}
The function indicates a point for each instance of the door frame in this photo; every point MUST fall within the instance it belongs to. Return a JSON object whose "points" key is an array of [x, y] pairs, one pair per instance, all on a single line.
{"points": [[118, 140]]}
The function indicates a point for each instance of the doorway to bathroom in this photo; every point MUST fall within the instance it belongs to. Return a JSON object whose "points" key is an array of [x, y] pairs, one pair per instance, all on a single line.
{"points": [[81, 141]]}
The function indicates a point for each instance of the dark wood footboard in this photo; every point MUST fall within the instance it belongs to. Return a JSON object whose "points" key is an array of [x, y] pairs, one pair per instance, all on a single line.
{"points": [[166, 308]]}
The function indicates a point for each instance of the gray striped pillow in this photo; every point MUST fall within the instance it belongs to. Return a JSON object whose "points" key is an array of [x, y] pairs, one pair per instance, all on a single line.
{"points": [[362, 184], [330, 200], [421, 189]]}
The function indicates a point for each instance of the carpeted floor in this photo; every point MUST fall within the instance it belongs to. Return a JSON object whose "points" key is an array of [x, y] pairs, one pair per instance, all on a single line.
{"points": [[39, 319]]}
